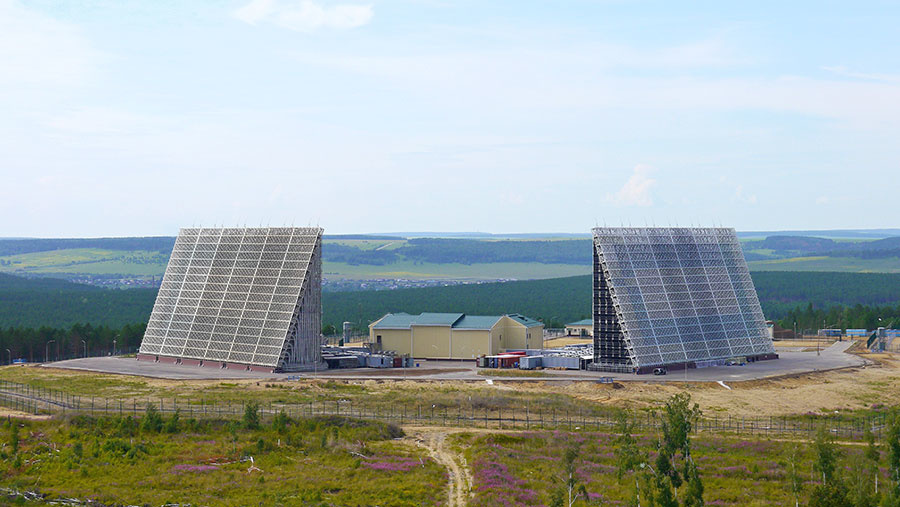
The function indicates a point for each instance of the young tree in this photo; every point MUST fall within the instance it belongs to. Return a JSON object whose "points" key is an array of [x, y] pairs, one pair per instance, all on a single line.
{"points": [[832, 491], [571, 490], [892, 440], [280, 422], [251, 416], [872, 458], [171, 425], [665, 493], [152, 422], [826, 454], [793, 474], [693, 492], [14, 437], [679, 418], [629, 456]]}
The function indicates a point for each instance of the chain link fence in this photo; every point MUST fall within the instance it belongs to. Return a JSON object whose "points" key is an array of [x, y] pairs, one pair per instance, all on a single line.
{"points": [[37, 400]]}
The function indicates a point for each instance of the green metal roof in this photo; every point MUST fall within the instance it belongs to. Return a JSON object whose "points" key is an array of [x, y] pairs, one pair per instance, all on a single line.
{"points": [[582, 322], [525, 321], [455, 320], [476, 322], [396, 321], [437, 319]]}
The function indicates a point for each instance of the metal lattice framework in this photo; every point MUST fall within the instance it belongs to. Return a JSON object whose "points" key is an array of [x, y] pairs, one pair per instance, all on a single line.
{"points": [[241, 295], [673, 295]]}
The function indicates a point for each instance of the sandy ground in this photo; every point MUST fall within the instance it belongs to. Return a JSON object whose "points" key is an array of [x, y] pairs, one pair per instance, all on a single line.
{"points": [[567, 340], [5, 413], [849, 388], [802, 344], [818, 392]]}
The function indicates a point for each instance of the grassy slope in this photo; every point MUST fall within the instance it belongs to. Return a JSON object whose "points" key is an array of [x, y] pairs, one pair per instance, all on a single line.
{"points": [[840, 264], [142, 263], [114, 461], [526, 467], [88, 261]]}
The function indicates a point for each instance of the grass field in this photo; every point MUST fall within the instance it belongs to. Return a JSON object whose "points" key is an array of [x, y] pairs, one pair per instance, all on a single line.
{"points": [[369, 244], [339, 461], [320, 461], [847, 391], [524, 468], [843, 264], [71, 263], [87, 261]]}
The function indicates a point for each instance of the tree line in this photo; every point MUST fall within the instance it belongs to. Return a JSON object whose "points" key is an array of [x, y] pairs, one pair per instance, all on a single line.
{"points": [[811, 299], [49, 343]]}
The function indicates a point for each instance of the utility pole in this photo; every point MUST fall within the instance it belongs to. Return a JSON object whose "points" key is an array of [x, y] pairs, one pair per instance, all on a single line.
{"points": [[47, 350]]}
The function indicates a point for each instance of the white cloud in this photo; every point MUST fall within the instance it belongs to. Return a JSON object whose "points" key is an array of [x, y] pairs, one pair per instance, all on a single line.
{"points": [[743, 196], [840, 70], [635, 191], [305, 15]]}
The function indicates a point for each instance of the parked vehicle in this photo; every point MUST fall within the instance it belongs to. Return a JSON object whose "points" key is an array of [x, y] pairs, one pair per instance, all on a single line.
{"points": [[659, 371]]}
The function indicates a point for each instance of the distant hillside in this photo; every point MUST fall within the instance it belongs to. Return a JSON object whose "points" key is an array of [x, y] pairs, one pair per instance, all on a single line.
{"points": [[805, 246], [557, 301], [56, 303], [22, 246], [562, 300]]}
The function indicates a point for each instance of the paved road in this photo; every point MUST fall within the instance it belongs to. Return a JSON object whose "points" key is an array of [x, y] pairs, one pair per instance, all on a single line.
{"points": [[790, 362]]}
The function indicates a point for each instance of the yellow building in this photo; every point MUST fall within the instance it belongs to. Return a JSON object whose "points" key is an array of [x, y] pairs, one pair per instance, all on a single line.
{"points": [[583, 328], [454, 335]]}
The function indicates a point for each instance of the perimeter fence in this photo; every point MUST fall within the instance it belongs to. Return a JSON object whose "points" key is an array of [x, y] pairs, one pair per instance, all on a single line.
{"points": [[45, 401]]}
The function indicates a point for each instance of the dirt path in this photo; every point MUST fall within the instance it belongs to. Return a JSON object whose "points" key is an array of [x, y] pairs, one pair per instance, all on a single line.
{"points": [[459, 480]]}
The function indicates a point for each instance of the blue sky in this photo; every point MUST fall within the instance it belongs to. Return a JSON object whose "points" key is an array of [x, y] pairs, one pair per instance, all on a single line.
{"points": [[136, 118]]}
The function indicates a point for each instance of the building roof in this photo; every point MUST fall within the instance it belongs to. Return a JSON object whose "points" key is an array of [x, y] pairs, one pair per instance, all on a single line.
{"points": [[395, 321], [582, 322], [525, 321], [437, 319], [477, 322], [455, 320]]}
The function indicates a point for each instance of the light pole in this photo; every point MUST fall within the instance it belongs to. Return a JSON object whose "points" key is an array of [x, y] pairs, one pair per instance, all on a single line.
{"points": [[10, 356], [47, 350], [114, 346], [84, 343]]}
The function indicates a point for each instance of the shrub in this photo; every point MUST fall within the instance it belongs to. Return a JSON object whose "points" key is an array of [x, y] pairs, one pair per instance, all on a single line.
{"points": [[152, 422], [172, 424], [14, 438], [251, 416], [280, 422]]}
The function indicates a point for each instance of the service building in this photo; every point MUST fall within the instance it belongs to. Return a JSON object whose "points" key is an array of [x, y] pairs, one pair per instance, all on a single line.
{"points": [[454, 335]]}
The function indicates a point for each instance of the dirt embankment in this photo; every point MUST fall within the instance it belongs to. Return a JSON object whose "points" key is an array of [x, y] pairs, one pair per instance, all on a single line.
{"points": [[819, 392]]}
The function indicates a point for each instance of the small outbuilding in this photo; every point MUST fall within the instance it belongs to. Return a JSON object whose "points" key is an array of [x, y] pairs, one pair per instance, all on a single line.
{"points": [[584, 328], [454, 335]]}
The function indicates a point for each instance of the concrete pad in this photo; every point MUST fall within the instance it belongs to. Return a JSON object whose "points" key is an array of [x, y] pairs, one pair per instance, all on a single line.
{"points": [[789, 363], [130, 366]]}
